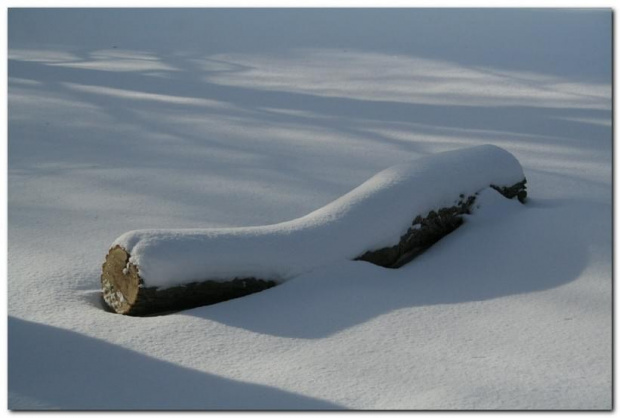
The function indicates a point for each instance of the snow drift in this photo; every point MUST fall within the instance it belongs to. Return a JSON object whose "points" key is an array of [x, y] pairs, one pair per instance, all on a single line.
{"points": [[154, 270]]}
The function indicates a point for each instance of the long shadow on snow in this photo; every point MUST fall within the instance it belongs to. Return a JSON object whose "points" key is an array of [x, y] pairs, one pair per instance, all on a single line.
{"points": [[521, 119], [62, 369], [277, 162], [252, 105], [525, 250], [99, 142]]}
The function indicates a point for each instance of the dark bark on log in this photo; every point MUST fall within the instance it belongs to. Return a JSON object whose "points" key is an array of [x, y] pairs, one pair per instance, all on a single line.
{"points": [[124, 292], [426, 231]]}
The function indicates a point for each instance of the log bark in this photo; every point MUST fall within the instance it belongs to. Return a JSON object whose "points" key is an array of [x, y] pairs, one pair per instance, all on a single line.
{"points": [[425, 231], [124, 291]]}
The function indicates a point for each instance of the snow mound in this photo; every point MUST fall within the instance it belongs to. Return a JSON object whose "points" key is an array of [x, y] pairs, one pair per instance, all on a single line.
{"points": [[372, 216]]}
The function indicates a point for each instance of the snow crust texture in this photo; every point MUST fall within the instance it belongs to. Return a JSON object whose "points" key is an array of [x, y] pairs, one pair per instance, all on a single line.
{"points": [[372, 216]]}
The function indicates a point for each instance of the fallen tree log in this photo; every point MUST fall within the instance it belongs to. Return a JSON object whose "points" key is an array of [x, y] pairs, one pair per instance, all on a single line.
{"points": [[388, 220]]}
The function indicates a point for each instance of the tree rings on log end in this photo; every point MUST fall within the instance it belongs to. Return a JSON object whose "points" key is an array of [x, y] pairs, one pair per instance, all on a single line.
{"points": [[124, 291], [120, 281]]}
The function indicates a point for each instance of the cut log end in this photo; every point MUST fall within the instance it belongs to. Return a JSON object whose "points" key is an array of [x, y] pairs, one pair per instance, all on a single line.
{"points": [[124, 291], [120, 282]]}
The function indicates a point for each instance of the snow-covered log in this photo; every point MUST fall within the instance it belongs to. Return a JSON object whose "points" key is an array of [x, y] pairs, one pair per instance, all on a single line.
{"points": [[387, 220]]}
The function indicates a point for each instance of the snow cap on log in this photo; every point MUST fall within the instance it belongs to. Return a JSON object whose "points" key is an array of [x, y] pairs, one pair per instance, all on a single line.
{"points": [[374, 216]]}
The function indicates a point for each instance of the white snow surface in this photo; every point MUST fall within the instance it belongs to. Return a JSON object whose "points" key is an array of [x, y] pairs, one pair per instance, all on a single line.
{"points": [[374, 215], [161, 119]]}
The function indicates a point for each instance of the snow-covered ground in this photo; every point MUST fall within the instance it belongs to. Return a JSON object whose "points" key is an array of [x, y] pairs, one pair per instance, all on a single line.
{"points": [[138, 119]]}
